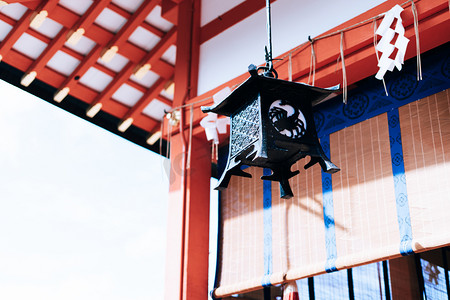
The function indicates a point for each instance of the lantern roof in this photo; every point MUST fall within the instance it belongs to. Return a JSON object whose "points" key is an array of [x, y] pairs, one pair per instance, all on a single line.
{"points": [[257, 83]]}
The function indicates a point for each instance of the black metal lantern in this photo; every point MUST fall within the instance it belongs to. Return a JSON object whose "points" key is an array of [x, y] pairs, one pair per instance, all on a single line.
{"points": [[272, 126]]}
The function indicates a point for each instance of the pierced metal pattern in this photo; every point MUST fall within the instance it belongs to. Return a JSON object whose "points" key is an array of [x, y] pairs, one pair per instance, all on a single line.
{"points": [[245, 128]]}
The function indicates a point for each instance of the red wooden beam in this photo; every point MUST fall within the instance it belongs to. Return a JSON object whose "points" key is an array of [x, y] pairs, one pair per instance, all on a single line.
{"points": [[20, 1], [188, 48], [47, 5], [156, 31], [102, 36], [82, 68], [7, 20], [15, 33], [189, 219], [98, 34], [81, 92], [230, 18], [358, 39], [136, 19], [155, 54], [119, 10], [88, 18], [148, 97], [188, 241], [55, 45], [169, 11], [164, 100], [131, 67], [120, 79]]}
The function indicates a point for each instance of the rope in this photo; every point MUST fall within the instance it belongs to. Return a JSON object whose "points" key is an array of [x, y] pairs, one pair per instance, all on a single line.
{"points": [[191, 121], [376, 51], [344, 72], [160, 139], [169, 131], [217, 152], [214, 151], [416, 29], [312, 63]]}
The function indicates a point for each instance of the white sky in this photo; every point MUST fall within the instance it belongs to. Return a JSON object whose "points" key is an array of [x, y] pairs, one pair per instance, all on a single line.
{"points": [[82, 211]]}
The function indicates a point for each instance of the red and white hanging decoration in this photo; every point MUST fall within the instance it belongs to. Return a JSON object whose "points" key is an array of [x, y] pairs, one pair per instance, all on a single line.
{"points": [[290, 291], [385, 45], [214, 125]]}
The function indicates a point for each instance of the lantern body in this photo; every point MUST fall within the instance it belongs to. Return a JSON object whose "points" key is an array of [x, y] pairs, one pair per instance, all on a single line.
{"points": [[272, 126]]}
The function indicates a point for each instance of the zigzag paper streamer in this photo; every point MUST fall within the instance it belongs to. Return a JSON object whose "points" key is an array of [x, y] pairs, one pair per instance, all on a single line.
{"points": [[385, 45], [211, 123]]}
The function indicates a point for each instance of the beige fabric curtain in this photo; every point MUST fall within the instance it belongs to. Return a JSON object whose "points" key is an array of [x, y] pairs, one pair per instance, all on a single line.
{"points": [[365, 205]]}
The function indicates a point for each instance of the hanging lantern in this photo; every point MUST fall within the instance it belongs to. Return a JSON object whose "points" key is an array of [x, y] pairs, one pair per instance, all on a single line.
{"points": [[272, 126]]}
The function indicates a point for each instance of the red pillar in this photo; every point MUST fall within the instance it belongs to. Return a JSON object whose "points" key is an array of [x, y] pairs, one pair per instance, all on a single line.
{"points": [[188, 221], [404, 282]]}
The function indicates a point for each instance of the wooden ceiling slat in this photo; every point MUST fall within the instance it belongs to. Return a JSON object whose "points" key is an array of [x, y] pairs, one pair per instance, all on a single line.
{"points": [[157, 51], [146, 123], [98, 34], [124, 75], [15, 33], [133, 22], [58, 42], [38, 35], [146, 99], [88, 18], [73, 53], [115, 8], [7, 19], [48, 5], [156, 31], [102, 36], [88, 61], [137, 86], [163, 69], [21, 1], [104, 69], [164, 100], [55, 45], [153, 29], [120, 79], [132, 52]]}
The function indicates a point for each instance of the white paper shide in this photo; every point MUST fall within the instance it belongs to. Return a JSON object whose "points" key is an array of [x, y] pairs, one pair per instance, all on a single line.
{"points": [[211, 123], [386, 47]]}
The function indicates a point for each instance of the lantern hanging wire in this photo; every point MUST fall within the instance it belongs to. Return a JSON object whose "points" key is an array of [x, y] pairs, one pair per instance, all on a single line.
{"points": [[269, 70]]}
